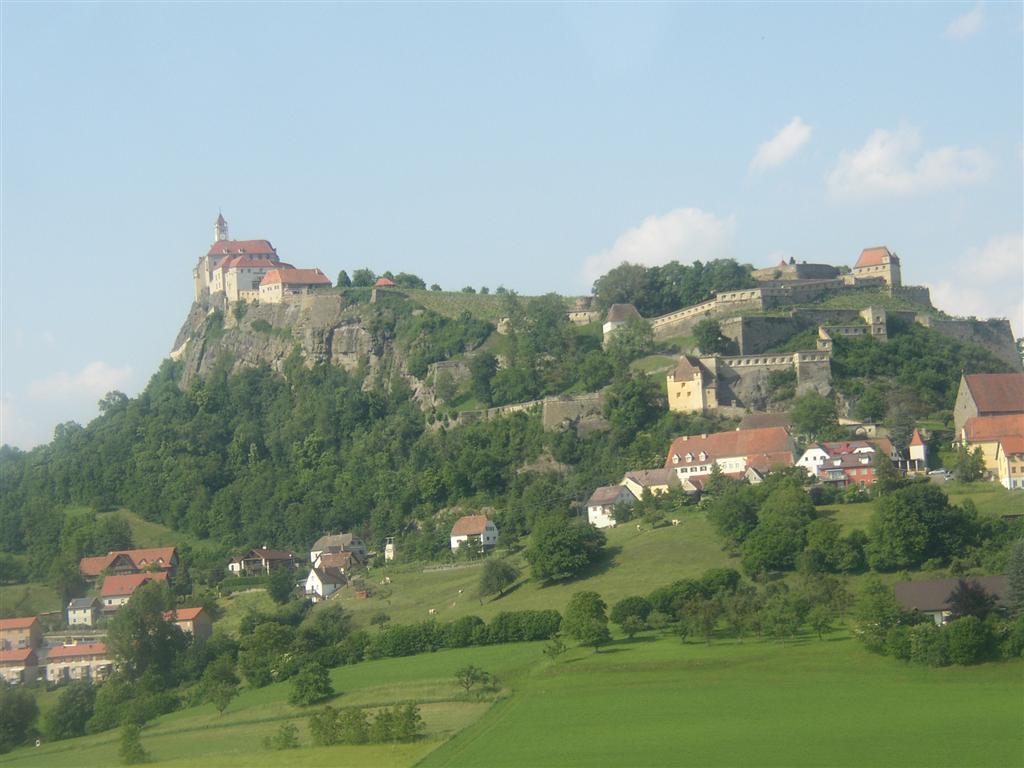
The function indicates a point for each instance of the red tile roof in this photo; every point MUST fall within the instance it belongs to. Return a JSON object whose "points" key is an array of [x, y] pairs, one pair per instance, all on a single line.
{"points": [[980, 428], [235, 247], [873, 257], [74, 651], [383, 282], [183, 614], [997, 392], [21, 622], [17, 656], [470, 525], [296, 277], [238, 262], [117, 586], [341, 560], [94, 566], [772, 441], [916, 439], [1012, 444]]}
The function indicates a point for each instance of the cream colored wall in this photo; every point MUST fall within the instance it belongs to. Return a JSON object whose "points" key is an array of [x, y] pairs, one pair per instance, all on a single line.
{"points": [[686, 396]]}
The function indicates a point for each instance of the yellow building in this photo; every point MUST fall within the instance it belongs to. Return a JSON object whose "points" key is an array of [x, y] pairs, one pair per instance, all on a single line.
{"points": [[998, 437], [691, 387], [878, 263], [657, 481], [1010, 462]]}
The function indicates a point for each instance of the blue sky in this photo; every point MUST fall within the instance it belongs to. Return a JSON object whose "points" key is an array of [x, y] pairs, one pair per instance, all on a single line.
{"points": [[525, 146]]}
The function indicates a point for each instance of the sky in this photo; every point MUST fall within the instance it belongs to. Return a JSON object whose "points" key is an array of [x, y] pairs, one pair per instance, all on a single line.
{"points": [[531, 146]]}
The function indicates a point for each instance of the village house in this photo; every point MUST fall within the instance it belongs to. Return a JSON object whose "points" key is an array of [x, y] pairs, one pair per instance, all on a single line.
{"points": [[653, 481], [324, 581], [333, 543], [987, 394], [192, 621], [848, 470], [917, 452], [280, 284], [998, 438], [1010, 462], [260, 562], [476, 527], [821, 455], [601, 504], [20, 665], [20, 632], [117, 590], [343, 561], [83, 611], [81, 661], [749, 454], [932, 597], [129, 561]]}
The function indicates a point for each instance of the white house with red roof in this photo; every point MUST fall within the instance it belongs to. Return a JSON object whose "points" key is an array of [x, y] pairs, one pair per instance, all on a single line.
{"points": [[476, 527], [117, 590], [736, 454], [917, 453], [279, 284], [80, 661], [878, 263]]}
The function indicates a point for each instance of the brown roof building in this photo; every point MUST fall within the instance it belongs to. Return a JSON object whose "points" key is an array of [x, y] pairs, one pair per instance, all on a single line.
{"points": [[20, 632], [988, 394], [129, 561], [932, 597], [476, 527], [117, 590]]}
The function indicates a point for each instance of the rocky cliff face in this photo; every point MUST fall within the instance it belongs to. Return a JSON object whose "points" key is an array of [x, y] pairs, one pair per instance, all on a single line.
{"points": [[319, 326]]}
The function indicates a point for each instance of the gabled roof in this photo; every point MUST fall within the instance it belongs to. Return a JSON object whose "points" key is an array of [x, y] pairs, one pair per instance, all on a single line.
{"points": [[645, 478], [252, 262], [687, 368], [236, 247], [384, 282], [758, 420], [18, 656], [118, 586], [338, 540], [81, 603], [295, 277], [330, 575], [916, 438], [934, 595], [341, 560], [75, 651], [996, 392], [980, 428], [605, 495], [269, 554], [873, 257], [1012, 445], [94, 566], [470, 525], [183, 614], [20, 622], [772, 441], [620, 313]]}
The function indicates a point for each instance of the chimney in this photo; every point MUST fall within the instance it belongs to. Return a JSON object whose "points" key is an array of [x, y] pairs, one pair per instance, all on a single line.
{"points": [[704, 436]]}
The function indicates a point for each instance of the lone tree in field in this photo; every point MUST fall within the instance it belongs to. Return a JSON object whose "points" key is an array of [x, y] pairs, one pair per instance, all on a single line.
{"points": [[555, 648], [585, 620], [311, 685], [219, 683], [469, 676], [497, 576]]}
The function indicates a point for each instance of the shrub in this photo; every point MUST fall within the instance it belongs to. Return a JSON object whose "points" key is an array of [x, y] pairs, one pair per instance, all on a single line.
{"points": [[968, 640], [928, 645], [897, 642], [311, 685], [131, 750], [287, 737], [631, 607]]}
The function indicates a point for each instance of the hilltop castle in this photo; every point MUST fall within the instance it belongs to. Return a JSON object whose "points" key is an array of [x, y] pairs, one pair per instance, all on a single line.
{"points": [[248, 270]]}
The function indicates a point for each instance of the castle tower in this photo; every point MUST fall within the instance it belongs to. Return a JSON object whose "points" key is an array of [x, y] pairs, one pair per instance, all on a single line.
{"points": [[220, 228]]}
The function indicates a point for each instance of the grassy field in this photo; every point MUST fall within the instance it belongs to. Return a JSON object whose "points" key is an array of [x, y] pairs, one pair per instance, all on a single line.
{"points": [[680, 551], [808, 703], [28, 599], [652, 701]]}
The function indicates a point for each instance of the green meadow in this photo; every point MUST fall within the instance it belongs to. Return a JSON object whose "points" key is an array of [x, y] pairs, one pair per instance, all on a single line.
{"points": [[653, 701]]}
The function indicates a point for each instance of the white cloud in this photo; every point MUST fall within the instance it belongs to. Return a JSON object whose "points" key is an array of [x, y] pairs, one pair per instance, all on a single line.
{"points": [[782, 146], [683, 235], [967, 25], [890, 164], [94, 380], [986, 282]]}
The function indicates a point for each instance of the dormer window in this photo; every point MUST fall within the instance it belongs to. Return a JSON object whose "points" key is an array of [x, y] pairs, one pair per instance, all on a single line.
{"points": [[703, 456]]}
